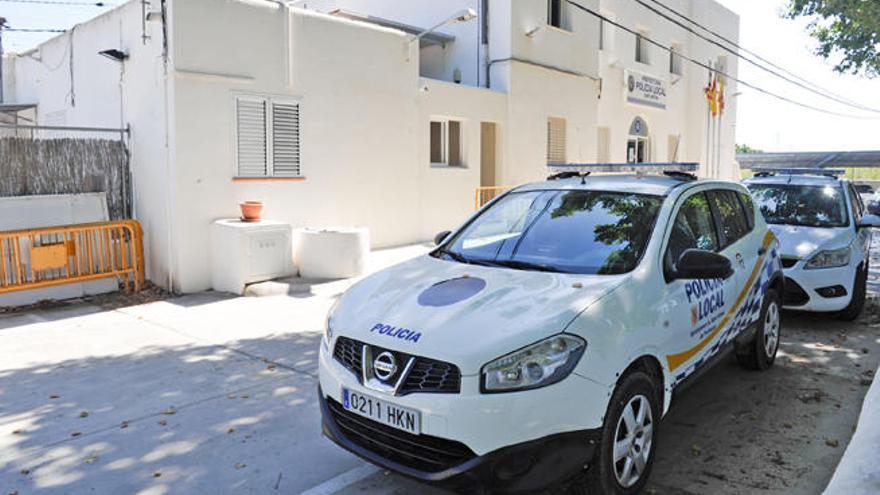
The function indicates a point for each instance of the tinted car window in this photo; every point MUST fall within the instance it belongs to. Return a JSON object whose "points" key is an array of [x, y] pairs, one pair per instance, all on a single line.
{"points": [[856, 201], [592, 232], [693, 229], [749, 207], [732, 221]]}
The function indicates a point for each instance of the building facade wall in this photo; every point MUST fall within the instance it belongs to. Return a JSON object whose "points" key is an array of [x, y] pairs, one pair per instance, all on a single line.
{"points": [[367, 97]]}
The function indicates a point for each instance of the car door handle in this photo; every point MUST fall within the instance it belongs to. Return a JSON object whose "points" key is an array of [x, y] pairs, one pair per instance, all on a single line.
{"points": [[762, 251]]}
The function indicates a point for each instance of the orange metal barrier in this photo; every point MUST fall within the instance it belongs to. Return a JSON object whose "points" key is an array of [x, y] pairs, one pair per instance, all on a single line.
{"points": [[487, 193], [45, 257]]}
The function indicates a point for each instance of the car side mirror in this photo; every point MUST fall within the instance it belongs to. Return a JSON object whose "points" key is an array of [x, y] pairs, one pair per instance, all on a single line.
{"points": [[699, 264], [439, 238], [870, 221]]}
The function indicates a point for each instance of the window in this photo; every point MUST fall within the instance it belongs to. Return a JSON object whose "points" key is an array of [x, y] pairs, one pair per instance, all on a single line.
{"points": [[446, 143], [642, 49], [857, 206], [693, 229], [555, 140], [557, 14], [672, 145], [732, 223], [267, 137], [675, 60], [808, 206], [749, 207], [637, 145], [603, 146], [588, 232]]}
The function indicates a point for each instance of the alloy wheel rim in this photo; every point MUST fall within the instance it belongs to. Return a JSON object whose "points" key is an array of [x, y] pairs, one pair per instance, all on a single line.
{"points": [[771, 329], [633, 440]]}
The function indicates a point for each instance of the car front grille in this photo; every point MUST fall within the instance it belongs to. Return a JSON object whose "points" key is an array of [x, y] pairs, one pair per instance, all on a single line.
{"points": [[421, 452], [348, 352], [426, 376], [794, 294]]}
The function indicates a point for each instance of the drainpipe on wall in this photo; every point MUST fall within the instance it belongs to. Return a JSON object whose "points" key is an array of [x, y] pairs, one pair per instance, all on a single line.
{"points": [[2, 25]]}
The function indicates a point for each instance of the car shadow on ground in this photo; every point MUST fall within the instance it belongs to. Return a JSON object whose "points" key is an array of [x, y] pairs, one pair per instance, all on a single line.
{"points": [[181, 419]]}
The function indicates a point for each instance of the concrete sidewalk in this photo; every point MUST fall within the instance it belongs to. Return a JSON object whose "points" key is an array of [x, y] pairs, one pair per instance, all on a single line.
{"points": [[858, 472], [205, 393]]}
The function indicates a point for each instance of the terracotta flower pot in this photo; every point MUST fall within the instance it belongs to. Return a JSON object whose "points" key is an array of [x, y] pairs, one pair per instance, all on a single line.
{"points": [[251, 211]]}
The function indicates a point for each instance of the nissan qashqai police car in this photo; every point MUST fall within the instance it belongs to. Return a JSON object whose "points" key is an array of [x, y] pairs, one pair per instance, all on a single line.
{"points": [[543, 340], [824, 234]]}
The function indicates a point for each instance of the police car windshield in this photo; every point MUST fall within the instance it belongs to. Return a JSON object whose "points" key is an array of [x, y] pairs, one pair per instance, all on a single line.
{"points": [[589, 232], [799, 204]]}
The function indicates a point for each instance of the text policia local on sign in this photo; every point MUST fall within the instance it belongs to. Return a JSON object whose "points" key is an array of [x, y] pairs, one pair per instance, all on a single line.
{"points": [[642, 89]]}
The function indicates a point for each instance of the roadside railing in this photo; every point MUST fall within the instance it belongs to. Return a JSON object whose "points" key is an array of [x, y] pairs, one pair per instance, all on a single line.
{"points": [[485, 194], [46, 257]]}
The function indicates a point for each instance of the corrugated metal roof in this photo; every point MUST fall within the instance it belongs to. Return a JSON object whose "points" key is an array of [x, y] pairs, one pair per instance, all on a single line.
{"points": [[811, 159]]}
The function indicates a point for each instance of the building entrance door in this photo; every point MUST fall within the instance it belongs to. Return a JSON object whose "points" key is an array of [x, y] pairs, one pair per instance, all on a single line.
{"points": [[638, 142], [488, 154]]}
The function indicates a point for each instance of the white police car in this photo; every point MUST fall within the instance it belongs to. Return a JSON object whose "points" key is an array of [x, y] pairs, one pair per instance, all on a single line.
{"points": [[550, 332], [825, 237]]}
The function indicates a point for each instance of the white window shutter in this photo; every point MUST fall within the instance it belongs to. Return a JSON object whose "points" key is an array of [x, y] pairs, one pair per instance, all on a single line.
{"points": [[285, 139], [555, 140], [251, 133]]}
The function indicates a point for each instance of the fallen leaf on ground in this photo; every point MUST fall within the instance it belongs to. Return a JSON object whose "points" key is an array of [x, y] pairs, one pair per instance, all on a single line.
{"points": [[832, 442], [76, 434], [169, 411], [245, 396], [231, 396], [124, 424], [696, 450], [163, 422], [25, 472], [157, 474], [91, 459], [17, 432], [84, 414], [240, 466], [230, 430], [54, 396]]}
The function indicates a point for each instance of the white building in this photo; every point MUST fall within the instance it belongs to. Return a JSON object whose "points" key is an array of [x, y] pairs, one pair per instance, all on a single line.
{"points": [[330, 112]]}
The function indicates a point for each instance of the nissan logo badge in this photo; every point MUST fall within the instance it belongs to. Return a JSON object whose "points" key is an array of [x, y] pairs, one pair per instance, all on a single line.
{"points": [[384, 366]]}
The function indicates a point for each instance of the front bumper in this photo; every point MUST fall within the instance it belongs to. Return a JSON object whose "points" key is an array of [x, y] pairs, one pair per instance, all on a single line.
{"points": [[811, 290], [520, 468], [506, 440]]}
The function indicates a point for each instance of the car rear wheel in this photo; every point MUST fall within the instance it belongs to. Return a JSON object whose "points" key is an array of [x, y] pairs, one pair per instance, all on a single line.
{"points": [[859, 293], [629, 438], [761, 353]]}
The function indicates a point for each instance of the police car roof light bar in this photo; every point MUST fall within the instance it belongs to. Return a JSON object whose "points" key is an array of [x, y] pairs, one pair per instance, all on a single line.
{"points": [[826, 172], [639, 168]]}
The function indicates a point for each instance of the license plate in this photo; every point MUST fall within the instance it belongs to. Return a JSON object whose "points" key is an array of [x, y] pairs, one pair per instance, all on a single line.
{"points": [[402, 418]]}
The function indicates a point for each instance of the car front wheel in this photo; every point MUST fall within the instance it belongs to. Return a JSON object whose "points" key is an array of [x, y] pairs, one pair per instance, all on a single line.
{"points": [[859, 294], [629, 438]]}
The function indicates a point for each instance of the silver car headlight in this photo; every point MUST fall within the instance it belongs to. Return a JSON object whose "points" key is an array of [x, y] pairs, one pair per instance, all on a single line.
{"points": [[538, 365], [829, 259]]}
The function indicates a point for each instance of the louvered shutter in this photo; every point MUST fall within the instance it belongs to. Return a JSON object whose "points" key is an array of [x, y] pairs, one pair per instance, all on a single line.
{"points": [[555, 140], [285, 139], [251, 135]]}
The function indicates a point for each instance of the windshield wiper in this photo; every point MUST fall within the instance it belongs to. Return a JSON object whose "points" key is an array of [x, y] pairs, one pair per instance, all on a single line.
{"points": [[525, 265], [454, 255]]}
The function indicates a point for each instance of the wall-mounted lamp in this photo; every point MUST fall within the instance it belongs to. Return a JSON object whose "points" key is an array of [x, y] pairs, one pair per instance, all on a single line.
{"points": [[460, 16], [114, 55]]}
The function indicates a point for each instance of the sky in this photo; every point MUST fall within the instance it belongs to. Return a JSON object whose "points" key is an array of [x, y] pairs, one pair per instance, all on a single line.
{"points": [[762, 122]]}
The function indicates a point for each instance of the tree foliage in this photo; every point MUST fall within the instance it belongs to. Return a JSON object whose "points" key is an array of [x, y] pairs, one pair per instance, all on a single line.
{"points": [[847, 30], [744, 148]]}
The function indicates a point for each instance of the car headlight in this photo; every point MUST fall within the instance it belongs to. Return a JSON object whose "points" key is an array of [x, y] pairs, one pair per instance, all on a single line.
{"points": [[829, 259], [537, 365]]}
